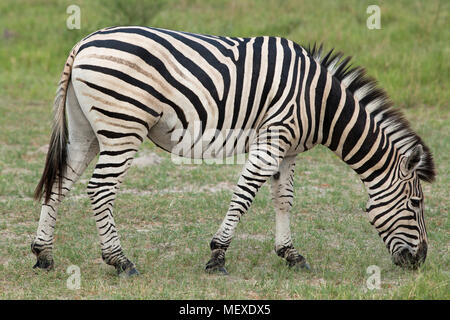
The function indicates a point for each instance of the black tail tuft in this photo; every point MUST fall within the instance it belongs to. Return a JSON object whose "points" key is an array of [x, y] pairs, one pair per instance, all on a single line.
{"points": [[55, 165]]}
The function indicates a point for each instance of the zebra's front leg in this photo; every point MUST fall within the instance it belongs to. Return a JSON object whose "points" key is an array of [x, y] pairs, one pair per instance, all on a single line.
{"points": [[262, 163], [282, 189]]}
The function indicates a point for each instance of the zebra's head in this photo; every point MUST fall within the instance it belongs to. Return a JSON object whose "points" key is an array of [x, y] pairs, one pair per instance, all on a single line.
{"points": [[397, 211]]}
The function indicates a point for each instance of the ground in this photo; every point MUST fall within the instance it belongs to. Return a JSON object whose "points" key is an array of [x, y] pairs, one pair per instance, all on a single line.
{"points": [[166, 213]]}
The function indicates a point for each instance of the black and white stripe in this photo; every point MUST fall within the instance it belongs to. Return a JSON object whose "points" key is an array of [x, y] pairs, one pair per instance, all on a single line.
{"points": [[204, 96]]}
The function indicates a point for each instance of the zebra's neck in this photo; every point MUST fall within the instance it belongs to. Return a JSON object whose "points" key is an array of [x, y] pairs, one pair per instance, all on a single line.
{"points": [[357, 122], [355, 135]]}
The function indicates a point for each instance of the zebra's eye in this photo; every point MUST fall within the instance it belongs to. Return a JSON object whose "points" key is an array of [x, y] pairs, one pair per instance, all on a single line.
{"points": [[415, 202]]}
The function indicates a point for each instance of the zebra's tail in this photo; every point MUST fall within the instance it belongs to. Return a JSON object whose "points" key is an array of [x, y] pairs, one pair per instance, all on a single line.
{"points": [[56, 161]]}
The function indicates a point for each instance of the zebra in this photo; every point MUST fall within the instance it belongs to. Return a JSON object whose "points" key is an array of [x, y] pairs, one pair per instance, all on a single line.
{"points": [[122, 84]]}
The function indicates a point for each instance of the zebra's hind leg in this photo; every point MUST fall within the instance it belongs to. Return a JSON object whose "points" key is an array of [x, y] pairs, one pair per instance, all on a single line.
{"points": [[263, 162], [81, 150], [117, 150], [108, 174], [120, 123], [282, 189]]}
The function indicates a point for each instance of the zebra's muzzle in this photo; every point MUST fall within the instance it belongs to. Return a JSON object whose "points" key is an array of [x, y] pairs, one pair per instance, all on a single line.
{"points": [[406, 258]]}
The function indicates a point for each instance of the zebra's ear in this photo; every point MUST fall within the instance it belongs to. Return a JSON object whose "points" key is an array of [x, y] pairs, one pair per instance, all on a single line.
{"points": [[413, 159]]}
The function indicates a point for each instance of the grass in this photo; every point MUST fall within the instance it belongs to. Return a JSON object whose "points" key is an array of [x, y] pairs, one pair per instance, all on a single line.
{"points": [[167, 214]]}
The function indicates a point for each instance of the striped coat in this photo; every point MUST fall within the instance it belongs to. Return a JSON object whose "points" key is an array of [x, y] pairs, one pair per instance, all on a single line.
{"points": [[201, 96]]}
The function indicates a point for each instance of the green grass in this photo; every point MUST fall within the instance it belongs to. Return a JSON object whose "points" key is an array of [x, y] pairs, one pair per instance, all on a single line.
{"points": [[166, 227]]}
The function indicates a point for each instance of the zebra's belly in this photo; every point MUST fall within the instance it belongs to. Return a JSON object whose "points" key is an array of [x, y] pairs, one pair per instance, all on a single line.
{"points": [[197, 142]]}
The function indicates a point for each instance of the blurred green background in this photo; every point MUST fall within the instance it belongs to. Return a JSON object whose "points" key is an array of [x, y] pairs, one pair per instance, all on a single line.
{"points": [[409, 55]]}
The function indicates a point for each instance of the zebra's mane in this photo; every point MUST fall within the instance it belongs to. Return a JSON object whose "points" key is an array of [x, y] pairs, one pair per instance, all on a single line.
{"points": [[376, 101]]}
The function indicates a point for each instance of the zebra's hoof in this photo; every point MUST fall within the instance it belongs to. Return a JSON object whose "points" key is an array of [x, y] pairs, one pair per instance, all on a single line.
{"points": [[216, 266], [44, 257], [217, 262], [298, 264], [303, 267], [127, 269], [216, 270], [44, 263], [129, 273]]}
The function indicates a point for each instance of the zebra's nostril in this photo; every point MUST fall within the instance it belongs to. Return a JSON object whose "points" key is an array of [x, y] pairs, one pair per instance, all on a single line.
{"points": [[406, 254], [403, 257]]}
